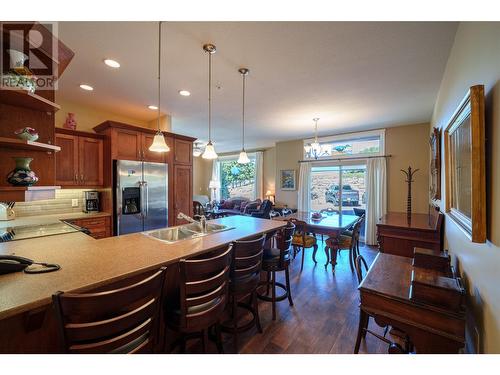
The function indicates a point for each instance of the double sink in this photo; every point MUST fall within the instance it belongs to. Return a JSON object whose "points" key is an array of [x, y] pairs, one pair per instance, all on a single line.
{"points": [[185, 232]]}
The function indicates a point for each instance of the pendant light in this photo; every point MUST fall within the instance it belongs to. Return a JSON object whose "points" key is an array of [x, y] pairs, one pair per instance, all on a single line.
{"points": [[209, 148], [243, 159], [315, 149], [159, 144]]}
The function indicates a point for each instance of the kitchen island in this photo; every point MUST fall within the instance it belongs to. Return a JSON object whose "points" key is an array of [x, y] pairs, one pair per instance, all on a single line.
{"points": [[27, 322]]}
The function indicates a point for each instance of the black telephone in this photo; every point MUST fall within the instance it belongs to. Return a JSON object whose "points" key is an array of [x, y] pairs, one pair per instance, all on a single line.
{"points": [[15, 263]]}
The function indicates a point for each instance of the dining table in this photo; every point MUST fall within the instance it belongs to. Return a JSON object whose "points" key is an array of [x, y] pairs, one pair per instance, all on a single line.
{"points": [[329, 224]]}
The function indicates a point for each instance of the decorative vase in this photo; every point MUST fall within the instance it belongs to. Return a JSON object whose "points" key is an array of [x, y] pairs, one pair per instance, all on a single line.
{"points": [[70, 122], [22, 175], [27, 134]]}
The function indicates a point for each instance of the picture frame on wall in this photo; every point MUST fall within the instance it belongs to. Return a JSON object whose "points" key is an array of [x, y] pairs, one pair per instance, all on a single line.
{"points": [[465, 158], [288, 179], [435, 167]]}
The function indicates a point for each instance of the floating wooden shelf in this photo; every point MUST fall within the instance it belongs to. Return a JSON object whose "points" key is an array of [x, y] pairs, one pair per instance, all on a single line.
{"points": [[25, 99], [27, 193], [19, 144]]}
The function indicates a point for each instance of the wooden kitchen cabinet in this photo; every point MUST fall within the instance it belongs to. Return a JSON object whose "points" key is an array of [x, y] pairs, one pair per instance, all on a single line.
{"points": [[126, 144], [80, 161], [99, 227], [67, 160], [183, 191], [90, 161], [183, 151]]}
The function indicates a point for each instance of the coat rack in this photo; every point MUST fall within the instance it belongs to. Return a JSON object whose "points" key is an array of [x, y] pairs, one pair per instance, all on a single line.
{"points": [[409, 179]]}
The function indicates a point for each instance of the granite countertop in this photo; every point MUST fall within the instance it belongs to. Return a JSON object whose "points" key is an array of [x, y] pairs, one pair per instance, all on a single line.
{"points": [[48, 219], [87, 263]]}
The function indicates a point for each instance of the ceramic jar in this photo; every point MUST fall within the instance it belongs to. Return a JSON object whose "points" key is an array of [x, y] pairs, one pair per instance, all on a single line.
{"points": [[22, 175]]}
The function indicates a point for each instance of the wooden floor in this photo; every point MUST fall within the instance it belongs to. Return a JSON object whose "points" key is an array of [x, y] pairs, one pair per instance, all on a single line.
{"points": [[324, 318]]}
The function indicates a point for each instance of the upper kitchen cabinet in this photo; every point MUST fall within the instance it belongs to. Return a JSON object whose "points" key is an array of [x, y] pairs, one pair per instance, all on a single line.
{"points": [[128, 142], [81, 159], [183, 151]]}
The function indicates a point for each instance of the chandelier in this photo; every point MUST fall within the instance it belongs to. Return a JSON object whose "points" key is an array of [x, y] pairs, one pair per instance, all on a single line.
{"points": [[315, 149]]}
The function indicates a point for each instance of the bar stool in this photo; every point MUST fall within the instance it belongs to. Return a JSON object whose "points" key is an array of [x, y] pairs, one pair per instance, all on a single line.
{"points": [[276, 260], [203, 297], [124, 320], [244, 279]]}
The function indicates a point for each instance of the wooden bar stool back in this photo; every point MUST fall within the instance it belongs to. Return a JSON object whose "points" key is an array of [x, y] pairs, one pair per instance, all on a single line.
{"points": [[203, 295], [277, 259], [244, 279], [124, 320]]}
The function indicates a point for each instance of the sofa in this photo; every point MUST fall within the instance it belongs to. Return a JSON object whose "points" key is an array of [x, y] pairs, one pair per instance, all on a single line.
{"points": [[239, 205]]}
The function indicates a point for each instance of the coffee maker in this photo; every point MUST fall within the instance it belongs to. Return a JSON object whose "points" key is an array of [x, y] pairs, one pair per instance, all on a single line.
{"points": [[91, 201]]}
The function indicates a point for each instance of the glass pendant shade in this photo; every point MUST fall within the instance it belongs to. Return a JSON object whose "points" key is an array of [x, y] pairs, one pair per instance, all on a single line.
{"points": [[209, 152], [243, 159], [307, 148], [159, 144]]}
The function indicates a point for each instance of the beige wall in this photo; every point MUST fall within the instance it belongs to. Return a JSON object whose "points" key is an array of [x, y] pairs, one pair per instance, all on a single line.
{"points": [[408, 145], [269, 174], [202, 172], [474, 59], [287, 156], [88, 117]]}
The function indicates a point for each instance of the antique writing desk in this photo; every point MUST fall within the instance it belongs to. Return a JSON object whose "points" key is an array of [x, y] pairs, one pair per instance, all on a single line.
{"points": [[385, 295]]}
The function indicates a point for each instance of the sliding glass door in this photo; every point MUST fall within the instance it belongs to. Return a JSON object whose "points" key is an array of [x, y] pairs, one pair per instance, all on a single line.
{"points": [[339, 187]]}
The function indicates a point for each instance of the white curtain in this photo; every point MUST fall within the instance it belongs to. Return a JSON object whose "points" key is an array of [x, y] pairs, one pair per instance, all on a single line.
{"points": [[259, 175], [215, 177], [376, 197], [304, 193]]}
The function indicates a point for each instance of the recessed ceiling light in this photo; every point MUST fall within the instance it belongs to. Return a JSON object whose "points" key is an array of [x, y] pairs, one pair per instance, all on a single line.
{"points": [[112, 63], [86, 87], [153, 107], [184, 93]]}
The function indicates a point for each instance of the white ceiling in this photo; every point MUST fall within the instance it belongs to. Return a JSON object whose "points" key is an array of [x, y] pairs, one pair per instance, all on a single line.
{"points": [[353, 75]]}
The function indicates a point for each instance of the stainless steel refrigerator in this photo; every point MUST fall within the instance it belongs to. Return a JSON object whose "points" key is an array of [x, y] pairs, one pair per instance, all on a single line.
{"points": [[141, 201]]}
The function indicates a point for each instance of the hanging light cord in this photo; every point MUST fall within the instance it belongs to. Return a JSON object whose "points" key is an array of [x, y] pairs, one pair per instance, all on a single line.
{"points": [[316, 130], [209, 97], [243, 116], [159, 72]]}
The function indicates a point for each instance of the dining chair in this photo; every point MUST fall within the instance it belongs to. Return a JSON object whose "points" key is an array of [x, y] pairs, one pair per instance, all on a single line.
{"points": [[123, 320], [203, 297], [349, 241], [277, 259], [364, 318], [302, 240], [243, 281]]}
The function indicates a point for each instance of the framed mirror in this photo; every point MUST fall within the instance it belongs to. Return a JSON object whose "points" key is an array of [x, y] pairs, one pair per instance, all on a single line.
{"points": [[464, 146]]}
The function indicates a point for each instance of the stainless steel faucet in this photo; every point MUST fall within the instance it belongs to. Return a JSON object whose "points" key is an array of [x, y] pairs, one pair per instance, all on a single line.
{"points": [[202, 222]]}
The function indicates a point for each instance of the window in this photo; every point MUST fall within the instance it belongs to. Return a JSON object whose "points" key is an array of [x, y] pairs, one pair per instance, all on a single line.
{"points": [[237, 180], [370, 143], [339, 187]]}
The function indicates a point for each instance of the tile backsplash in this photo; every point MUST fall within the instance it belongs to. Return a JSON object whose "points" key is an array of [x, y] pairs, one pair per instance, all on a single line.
{"points": [[60, 205]]}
